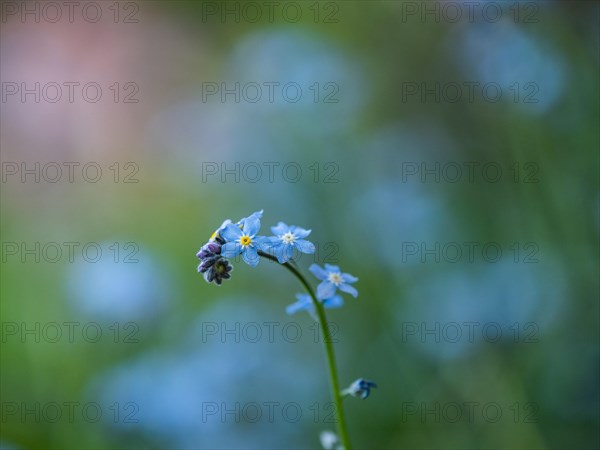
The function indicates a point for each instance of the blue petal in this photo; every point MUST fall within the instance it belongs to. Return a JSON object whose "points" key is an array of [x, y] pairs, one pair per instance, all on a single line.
{"points": [[279, 229], [294, 308], [267, 245], [250, 256], [304, 303], [257, 215], [251, 226], [301, 233], [348, 289], [334, 302], [349, 278], [223, 225], [318, 272], [231, 233], [262, 243], [231, 249], [305, 246], [330, 268], [325, 290], [277, 251], [283, 252], [288, 252], [304, 298]]}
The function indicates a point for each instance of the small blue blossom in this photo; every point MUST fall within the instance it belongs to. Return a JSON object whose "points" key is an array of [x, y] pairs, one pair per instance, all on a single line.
{"points": [[333, 279], [305, 303], [360, 388], [243, 239], [286, 239]]}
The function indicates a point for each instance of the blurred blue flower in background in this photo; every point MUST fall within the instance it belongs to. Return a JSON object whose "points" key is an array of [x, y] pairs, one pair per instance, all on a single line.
{"points": [[457, 312], [132, 287], [530, 74], [399, 201], [322, 71], [176, 387]]}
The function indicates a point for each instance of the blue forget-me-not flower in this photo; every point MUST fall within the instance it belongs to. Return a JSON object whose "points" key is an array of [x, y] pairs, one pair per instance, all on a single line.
{"points": [[332, 279], [286, 239], [360, 388], [242, 239]]}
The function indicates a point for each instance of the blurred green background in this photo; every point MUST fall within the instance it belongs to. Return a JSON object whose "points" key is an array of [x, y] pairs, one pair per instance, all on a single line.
{"points": [[470, 350]]}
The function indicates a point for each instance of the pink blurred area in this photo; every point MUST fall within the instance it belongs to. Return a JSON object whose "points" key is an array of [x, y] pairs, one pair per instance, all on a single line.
{"points": [[154, 56]]}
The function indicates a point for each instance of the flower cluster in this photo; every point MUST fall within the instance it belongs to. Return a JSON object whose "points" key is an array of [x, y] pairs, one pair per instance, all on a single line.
{"points": [[241, 238]]}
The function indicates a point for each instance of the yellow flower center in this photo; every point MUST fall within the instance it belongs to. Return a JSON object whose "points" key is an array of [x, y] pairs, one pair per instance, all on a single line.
{"points": [[213, 236], [335, 278], [245, 240]]}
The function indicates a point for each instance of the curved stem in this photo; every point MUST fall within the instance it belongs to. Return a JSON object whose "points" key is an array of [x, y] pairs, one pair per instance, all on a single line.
{"points": [[333, 376]]}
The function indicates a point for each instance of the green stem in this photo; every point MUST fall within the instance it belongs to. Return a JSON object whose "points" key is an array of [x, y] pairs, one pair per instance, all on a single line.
{"points": [[333, 376]]}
